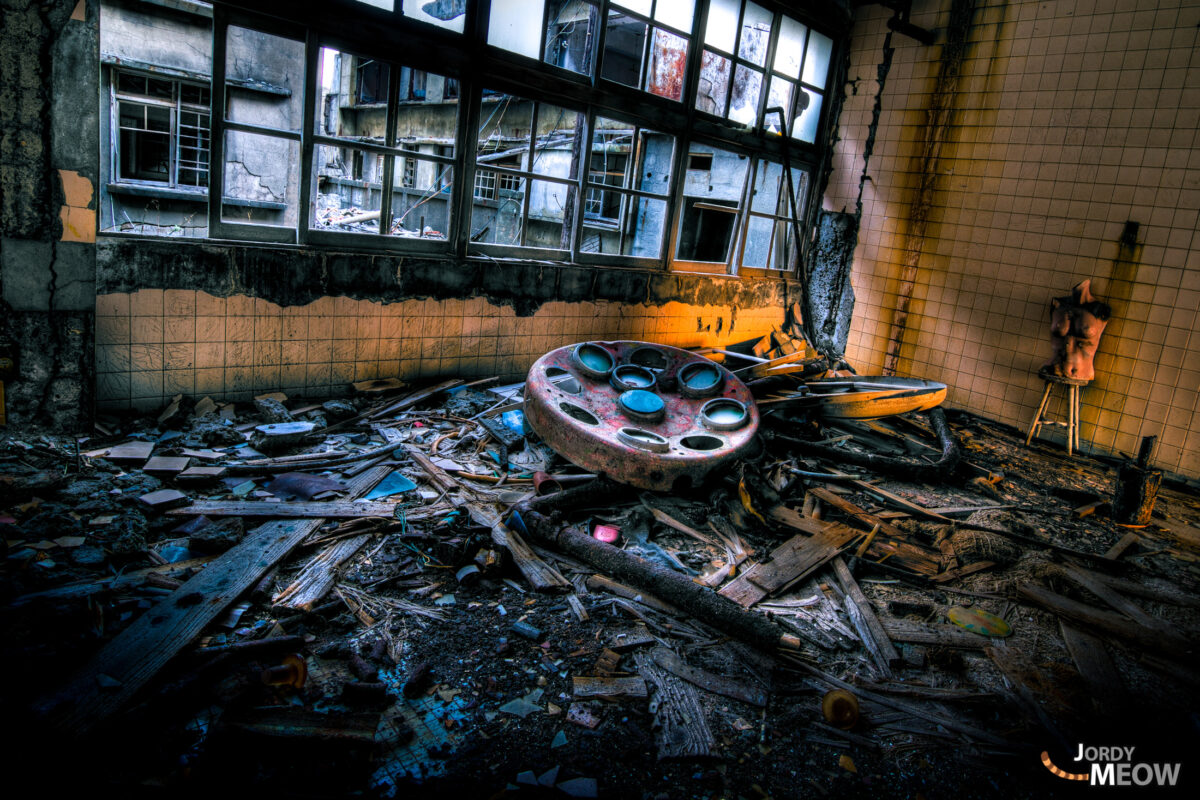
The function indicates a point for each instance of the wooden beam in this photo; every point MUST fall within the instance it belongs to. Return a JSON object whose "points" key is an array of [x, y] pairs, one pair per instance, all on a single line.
{"points": [[136, 655], [340, 509], [862, 615], [792, 561]]}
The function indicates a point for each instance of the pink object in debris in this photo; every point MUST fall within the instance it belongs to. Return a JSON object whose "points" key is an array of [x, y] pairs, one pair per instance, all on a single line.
{"points": [[606, 533]]}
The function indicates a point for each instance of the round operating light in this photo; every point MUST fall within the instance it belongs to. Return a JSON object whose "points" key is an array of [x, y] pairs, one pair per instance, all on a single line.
{"points": [[643, 440], [593, 360], [642, 405], [700, 379], [630, 376], [724, 414]]}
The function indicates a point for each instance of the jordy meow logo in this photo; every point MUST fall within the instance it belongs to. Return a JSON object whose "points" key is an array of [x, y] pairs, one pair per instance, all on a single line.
{"points": [[1114, 766]]}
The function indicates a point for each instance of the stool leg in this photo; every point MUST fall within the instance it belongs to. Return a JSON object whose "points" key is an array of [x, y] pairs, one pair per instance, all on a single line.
{"points": [[1037, 420], [1075, 398], [1072, 417]]}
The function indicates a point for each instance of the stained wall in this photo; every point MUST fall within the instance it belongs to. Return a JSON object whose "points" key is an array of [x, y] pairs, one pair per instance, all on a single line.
{"points": [[1065, 146]]}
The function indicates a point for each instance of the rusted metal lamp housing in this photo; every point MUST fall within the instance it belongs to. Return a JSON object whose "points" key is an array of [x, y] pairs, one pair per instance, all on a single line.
{"points": [[649, 415]]}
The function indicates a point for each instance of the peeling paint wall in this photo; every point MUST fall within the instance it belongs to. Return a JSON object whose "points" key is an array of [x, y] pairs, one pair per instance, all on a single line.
{"points": [[48, 208], [989, 194]]}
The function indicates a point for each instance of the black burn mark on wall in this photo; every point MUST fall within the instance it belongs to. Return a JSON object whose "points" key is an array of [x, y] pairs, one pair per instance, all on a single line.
{"points": [[295, 277], [937, 132]]}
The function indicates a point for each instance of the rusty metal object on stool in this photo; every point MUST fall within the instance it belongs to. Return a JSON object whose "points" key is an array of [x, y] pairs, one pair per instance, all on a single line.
{"points": [[649, 415], [872, 396]]}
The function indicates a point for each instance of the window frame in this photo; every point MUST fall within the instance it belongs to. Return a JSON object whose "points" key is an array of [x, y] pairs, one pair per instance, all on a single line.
{"points": [[466, 57], [176, 108]]}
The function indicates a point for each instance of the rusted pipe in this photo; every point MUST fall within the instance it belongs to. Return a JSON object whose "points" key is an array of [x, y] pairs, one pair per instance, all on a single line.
{"points": [[699, 601]]}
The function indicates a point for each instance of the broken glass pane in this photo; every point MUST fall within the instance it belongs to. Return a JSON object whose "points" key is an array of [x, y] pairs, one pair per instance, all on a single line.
{"points": [[654, 160], [648, 220], [448, 14], [756, 33], [804, 127], [504, 129], [570, 30], [789, 51], [612, 146], [264, 74], [710, 204], [547, 205], [556, 151], [421, 199], [676, 13], [721, 30], [386, 5], [756, 251], [347, 84], [516, 26], [747, 84], [714, 84], [348, 184], [624, 45], [780, 96], [668, 58], [261, 179], [768, 181], [816, 65]]}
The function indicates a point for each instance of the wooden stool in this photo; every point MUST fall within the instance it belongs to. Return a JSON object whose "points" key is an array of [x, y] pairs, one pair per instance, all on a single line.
{"points": [[1072, 423]]}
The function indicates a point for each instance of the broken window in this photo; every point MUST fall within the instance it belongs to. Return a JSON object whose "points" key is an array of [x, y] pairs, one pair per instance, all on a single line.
{"points": [[447, 14], [409, 147], [712, 197], [625, 209], [768, 238], [736, 83], [646, 44], [534, 150], [370, 82]]}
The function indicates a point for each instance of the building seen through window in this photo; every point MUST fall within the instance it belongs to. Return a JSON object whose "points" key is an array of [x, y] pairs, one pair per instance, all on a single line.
{"points": [[573, 174]]}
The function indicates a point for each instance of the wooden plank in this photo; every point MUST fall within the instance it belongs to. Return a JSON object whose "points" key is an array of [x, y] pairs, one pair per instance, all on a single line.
{"points": [[899, 553], [601, 583], [583, 686], [1095, 665], [1086, 580], [862, 614], [962, 572], [717, 684], [848, 508], [1158, 639], [681, 728], [1118, 549], [408, 401], [319, 575], [340, 509], [541, 576], [790, 562], [903, 630], [136, 655]]}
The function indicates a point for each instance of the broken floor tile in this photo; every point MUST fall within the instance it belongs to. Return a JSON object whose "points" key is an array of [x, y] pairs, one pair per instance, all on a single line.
{"points": [[580, 787]]}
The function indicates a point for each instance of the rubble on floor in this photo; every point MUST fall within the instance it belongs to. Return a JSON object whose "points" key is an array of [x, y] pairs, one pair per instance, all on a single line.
{"points": [[404, 591]]}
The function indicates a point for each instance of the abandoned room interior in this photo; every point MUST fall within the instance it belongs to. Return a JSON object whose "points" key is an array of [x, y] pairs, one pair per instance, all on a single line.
{"points": [[600, 398]]}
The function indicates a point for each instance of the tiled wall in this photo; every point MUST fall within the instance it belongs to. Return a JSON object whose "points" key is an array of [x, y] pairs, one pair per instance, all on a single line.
{"points": [[152, 344], [1072, 117]]}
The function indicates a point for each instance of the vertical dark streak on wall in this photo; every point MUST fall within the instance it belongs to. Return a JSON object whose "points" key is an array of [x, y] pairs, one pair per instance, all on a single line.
{"points": [[938, 126]]}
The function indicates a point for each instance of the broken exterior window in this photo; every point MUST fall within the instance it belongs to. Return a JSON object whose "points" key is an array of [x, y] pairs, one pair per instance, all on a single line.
{"points": [[565, 180], [534, 145], [712, 197], [768, 235], [627, 183], [646, 45], [737, 83], [414, 158]]}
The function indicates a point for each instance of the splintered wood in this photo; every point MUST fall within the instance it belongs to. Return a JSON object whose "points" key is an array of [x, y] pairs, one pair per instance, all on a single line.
{"points": [[788, 563], [680, 727]]}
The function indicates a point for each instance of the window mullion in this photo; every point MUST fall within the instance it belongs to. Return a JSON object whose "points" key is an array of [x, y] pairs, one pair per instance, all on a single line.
{"points": [[312, 54], [768, 80], [387, 180], [216, 121], [467, 142]]}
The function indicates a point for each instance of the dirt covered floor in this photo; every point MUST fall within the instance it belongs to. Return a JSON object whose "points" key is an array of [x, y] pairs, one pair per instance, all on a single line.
{"points": [[343, 605]]}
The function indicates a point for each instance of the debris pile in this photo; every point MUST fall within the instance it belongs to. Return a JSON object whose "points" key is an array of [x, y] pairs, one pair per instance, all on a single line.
{"points": [[405, 590]]}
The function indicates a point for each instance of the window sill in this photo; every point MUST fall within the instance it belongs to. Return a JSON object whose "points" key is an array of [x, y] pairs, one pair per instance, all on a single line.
{"points": [[187, 195]]}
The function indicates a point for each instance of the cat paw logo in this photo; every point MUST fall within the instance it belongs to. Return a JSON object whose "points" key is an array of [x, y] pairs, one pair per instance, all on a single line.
{"points": [[1114, 766]]}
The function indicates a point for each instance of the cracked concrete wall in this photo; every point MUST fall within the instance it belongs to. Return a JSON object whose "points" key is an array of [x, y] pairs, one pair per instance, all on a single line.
{"points": [[47, 208], [1001, 165]]}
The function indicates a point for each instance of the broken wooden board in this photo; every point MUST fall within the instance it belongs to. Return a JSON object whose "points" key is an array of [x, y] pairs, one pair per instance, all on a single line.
{"points": [[342, 509], [851, 510], [903, 630], [136, 655], [1159, 639], [790, 562], [866, 623], [1086, 580], [899, 553], [717, 684], [680, 725], [600, 583], [291, 722], [541, 576], [1095, 666], [962, 572], [1117, 550], [583, 686], [318, 575], [410, 400]]}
